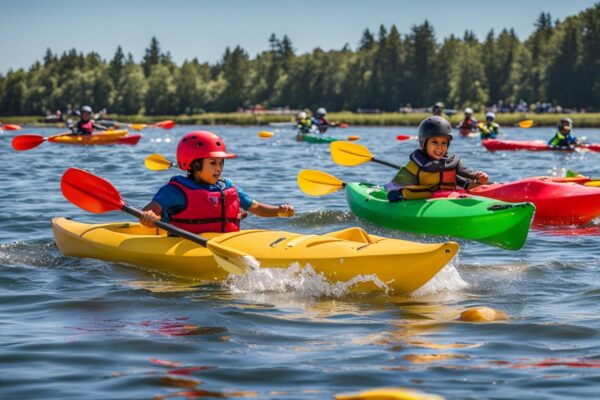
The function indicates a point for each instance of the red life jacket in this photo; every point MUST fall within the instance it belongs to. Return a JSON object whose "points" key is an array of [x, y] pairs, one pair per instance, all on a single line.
{"points": [[85, 127], [208, 211], [466, 124]]}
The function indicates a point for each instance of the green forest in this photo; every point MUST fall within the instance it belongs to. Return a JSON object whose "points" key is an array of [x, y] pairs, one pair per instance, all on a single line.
{"points": [[558, 63]]}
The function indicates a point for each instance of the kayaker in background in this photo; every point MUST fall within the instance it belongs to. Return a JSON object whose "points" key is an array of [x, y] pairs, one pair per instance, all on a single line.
{"points": [[86, 125], [320, 122], [303, 122], [203, 201], [564, 135], [438, 109], [431, 168], [468, 124], [489, 129]]}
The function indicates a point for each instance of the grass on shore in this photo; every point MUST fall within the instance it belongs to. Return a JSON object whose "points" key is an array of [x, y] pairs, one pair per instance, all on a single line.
{"points": [[383, 119]]}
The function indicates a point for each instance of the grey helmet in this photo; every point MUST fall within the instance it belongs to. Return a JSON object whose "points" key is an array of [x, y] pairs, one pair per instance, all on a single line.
{"points": [[432, 127], [86, 109], [567, 120]]}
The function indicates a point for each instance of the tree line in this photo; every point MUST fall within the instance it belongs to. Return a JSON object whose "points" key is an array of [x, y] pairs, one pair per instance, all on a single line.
{"points": [[558, 63]]}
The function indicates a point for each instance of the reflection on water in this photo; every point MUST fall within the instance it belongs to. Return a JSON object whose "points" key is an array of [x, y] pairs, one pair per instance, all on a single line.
{"points": [[74, 328]]}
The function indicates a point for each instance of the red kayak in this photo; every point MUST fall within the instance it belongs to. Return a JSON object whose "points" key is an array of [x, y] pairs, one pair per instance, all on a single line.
{"points": [[555, 203], [533, 145]]}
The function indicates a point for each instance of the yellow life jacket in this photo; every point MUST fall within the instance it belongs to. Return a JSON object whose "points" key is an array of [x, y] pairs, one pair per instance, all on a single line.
{"points": [[431, 175]]}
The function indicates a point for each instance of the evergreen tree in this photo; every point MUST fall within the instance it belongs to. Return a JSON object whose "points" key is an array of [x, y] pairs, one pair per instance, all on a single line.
{"points": [[152, 57]]}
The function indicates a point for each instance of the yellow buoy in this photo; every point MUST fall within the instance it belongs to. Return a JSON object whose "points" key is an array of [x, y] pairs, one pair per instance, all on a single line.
{"points": [[388, 394], [482, 314]]}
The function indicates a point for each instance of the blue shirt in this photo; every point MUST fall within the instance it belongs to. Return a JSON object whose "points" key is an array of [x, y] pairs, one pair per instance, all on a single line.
{"points": [[172, 200]]}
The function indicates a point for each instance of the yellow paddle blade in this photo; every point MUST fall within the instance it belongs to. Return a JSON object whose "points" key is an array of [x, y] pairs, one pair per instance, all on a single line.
{"points": [[232, 260], [265, 134], [592, 183], [318, 183], [388, 394], [349, 154], [137, 127], [353, 137], [528, 123], [157, 162]]}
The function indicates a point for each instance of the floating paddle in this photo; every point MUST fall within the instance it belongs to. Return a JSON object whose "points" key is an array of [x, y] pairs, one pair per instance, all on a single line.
{"points": [[318, 183], [10, 127], [528, 123], [351, 154], [168, 124], [95, 194], [265, 134], [402, 138], [158, 162]]}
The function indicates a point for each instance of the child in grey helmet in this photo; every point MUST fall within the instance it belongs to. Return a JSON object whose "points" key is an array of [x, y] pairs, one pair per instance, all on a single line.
{"points": [[430, 168]]}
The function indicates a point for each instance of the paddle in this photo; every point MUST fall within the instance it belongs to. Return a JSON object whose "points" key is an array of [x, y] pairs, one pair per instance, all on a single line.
{"points": [[265, 134], [26, 142], [527, 123], [10, 127], [168, 124], [402, 138], [157, 162], [595, 182], [95, 194], [318, 183], [351, 154]]}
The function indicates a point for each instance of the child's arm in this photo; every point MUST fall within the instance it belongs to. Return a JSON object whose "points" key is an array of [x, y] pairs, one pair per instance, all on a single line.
{"points": [[267, 210], [151, 214]]}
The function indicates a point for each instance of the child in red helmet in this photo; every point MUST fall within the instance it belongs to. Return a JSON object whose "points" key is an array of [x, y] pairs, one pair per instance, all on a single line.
{"points": [[203, 201]]}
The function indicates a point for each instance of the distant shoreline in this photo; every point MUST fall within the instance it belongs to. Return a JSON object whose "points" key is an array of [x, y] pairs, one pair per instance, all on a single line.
{"points": [[581, 120]]}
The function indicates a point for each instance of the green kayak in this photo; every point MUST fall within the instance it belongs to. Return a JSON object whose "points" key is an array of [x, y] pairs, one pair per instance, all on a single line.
{"points": [[315, 138], [489, 221]]}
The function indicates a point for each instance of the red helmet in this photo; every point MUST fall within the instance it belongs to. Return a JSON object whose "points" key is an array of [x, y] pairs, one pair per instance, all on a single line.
{"points": [[200, 144]]}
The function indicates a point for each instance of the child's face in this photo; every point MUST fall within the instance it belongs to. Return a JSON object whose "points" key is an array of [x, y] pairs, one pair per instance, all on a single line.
{"points": [[437, 147], [211, 170], [566, 127], [85, 116]]}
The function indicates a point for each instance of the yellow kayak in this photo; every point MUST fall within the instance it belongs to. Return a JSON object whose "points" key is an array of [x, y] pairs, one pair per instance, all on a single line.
{"points": [[104, 137], [402, 265]]}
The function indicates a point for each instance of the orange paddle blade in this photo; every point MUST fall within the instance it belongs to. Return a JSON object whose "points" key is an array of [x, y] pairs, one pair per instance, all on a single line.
{"points": [[353, 137], [343, 125], [26, 142], [404, 137], [265, 134], [90, 192], [168, 124], [11, 127], [528, 123]]}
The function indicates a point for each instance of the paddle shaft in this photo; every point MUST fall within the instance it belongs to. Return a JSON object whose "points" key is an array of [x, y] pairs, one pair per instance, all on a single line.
{"points": [[385, 163], [167, 227]]}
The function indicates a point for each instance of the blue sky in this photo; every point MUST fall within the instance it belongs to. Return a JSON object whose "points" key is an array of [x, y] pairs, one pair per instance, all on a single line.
{"points": [[199, 28]]}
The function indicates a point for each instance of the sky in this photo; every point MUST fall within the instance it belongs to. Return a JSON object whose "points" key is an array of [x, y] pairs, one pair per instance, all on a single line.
{"points": [[204, 28]]}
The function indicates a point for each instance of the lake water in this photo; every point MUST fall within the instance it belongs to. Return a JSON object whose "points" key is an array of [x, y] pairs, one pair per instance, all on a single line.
{"points": [[80, 328]]}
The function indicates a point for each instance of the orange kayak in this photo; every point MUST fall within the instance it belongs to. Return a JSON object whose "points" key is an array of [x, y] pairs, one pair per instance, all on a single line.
{"points": [[120, 136]]}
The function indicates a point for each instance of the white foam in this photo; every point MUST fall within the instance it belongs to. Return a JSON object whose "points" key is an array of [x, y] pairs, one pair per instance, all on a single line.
{"points": [[297, 281], [448, 280]]}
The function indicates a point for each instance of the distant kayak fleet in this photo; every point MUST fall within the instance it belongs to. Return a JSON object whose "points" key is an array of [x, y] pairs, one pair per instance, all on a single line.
{"points": [[424, 198]]}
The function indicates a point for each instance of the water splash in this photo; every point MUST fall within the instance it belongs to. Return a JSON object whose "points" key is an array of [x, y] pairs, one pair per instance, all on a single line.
{"points": [[448, 280], [296, 280]]}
